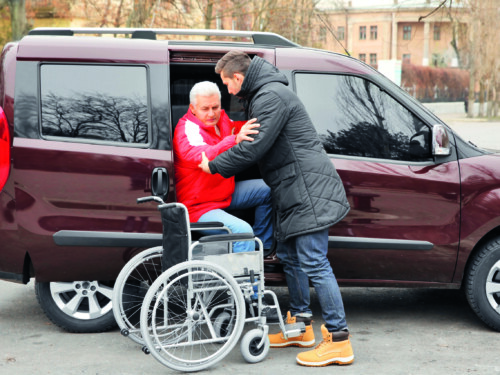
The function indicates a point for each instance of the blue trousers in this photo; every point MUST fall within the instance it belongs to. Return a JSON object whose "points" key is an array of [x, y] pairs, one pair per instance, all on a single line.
{"points": [[247, 194], [304, 259]]}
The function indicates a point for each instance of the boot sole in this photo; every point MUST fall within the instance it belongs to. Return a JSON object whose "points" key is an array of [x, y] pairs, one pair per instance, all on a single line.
{"points": [[335, 361], [300, 344]]}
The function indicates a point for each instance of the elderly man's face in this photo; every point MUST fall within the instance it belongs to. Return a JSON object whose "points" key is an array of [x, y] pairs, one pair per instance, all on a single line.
{"points": [[207, 109]]}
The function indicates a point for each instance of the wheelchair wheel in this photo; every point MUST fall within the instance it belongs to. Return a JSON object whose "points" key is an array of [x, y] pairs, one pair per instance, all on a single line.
{"points": [[249, 346], [223, 324], [178, 319], [130, 289]]}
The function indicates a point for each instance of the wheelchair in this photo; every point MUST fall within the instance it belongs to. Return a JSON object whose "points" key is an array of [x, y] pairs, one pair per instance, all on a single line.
{"points": [[187, 301], [134, 280]]}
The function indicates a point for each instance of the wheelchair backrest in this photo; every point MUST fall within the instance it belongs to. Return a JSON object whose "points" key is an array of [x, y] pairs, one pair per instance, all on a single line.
{"points": [[176, 234]]}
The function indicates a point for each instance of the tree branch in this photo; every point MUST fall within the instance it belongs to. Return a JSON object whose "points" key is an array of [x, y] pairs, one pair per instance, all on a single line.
{"points": [[434, 11]]}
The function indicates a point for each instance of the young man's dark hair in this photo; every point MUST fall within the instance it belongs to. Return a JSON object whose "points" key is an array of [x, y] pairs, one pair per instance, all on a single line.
{"points": [[233, 62]]}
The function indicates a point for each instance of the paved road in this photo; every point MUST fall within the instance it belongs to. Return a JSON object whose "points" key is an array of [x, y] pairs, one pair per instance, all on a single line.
{"points": [[481, 132], [394, 331]]}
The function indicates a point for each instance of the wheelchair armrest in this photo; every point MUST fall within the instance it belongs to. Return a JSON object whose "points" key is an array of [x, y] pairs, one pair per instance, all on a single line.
{"points": [[206, 225], [227, 237]]}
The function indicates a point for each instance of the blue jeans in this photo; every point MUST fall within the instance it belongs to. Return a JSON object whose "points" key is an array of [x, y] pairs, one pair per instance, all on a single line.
{"points": [[247, 194], [304, 259]]}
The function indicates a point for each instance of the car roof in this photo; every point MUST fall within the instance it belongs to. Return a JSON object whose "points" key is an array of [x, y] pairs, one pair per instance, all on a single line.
{"points": [[102, 45]]}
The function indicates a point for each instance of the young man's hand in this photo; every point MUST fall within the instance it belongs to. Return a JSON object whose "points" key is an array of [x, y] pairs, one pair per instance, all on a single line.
{"points": [[248, 128], [204, 163]]}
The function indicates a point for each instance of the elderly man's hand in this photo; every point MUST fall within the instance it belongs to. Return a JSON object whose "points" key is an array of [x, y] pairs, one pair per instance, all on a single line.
{"points": [[204, 163], [248, 128]]}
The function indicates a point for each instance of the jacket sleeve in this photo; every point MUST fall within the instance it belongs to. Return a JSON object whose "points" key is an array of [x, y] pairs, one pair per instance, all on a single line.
{"points": [[190, 149], [272, 114]]}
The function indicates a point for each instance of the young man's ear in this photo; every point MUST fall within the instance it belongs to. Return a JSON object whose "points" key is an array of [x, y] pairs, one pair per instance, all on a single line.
{"points": [[240, 77]]}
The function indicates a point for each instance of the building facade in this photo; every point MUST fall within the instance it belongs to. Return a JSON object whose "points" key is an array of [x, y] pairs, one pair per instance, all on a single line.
{"points": [[407, 30]]}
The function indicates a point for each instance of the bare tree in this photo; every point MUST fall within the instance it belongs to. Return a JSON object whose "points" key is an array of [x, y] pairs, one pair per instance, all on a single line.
{"points": [[141, 13], [290, 18], [479, 51], [18, 18], [103, 13]]}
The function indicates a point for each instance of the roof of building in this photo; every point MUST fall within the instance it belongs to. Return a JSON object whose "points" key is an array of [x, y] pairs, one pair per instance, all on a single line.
{"points": [[377, 4]]}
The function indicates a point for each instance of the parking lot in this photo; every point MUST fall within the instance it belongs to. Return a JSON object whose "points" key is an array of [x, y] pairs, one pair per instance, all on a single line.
{"points": [[481, 132], [394, 331]]}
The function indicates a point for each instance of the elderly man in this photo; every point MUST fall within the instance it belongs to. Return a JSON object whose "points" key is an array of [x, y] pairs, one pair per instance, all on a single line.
{"points": [[207, 128]]}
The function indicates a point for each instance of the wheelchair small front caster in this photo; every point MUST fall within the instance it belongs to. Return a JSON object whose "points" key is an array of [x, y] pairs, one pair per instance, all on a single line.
{"points": [[145, 350], [249, 346], [125, 332]]}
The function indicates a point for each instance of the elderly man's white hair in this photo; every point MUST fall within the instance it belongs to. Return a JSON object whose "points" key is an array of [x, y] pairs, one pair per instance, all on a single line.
{"points": [[205, 88]]}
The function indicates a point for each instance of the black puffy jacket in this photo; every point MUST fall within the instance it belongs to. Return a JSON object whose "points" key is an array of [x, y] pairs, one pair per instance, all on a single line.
{"points": [[307, 192]]}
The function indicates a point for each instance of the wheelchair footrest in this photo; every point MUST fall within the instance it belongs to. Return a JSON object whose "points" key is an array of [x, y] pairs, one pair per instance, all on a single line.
{"points": [[295, 329]]}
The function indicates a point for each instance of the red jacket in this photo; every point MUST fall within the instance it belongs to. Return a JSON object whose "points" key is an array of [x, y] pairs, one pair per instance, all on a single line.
{"points": [[200, 191]]}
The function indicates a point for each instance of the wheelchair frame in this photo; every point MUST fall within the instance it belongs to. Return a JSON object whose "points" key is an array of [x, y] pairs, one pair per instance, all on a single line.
{"points": [[193, 313]]}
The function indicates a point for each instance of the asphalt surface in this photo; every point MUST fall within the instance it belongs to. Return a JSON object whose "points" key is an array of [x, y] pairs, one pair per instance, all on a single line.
{"points": [[394, 331], [481, 132]]}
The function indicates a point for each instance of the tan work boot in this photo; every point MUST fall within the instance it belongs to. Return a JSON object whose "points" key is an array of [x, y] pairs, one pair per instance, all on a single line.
{"points": [[306, 340], [334, 349]]}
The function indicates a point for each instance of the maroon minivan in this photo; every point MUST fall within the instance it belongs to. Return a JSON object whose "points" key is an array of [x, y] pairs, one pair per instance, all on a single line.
{"points": [[86, 125]]}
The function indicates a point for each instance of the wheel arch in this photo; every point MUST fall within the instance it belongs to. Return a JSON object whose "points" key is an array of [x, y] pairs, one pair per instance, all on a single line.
{"points": [[491, 235], [467, 258], [481, 280]]}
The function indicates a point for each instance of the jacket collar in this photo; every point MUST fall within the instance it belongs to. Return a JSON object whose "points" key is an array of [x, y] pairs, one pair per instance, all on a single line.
{"points": [[260, 72]]}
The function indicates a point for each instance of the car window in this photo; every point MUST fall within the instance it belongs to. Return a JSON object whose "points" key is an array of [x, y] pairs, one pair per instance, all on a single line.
{"points": [[95, 103], [354, 117]]}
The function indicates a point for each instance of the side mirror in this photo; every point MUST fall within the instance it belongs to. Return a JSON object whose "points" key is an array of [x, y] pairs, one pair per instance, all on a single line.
{"points": [[160, 183], [440, 141]]}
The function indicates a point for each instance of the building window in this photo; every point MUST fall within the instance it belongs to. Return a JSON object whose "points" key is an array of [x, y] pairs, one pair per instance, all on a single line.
{"points": [[373, 32], [406, 32], [373, 59], [406, 58], [341, 33], [218, 22], [362, 32], [437, 32], [322, 34], [362, 57]]}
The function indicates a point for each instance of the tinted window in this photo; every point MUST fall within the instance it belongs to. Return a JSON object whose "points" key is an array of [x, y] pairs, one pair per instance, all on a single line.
{"points": [[95, 102], [355, 117]]}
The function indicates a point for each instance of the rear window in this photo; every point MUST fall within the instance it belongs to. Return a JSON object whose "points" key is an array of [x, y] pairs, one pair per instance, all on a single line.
{"points": [[95, 103]]}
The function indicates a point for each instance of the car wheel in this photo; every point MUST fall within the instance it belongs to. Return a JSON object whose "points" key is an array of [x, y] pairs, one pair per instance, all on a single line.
{"points": [[482, 284], [78, 306]]}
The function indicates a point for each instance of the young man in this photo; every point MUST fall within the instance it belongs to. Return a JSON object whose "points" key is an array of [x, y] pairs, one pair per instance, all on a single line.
{"points": [[206, 128], [308, 198]]}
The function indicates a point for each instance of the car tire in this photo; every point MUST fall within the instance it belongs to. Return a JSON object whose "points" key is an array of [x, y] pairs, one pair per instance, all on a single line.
{"points": [[78, 306], [482, 284]]}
